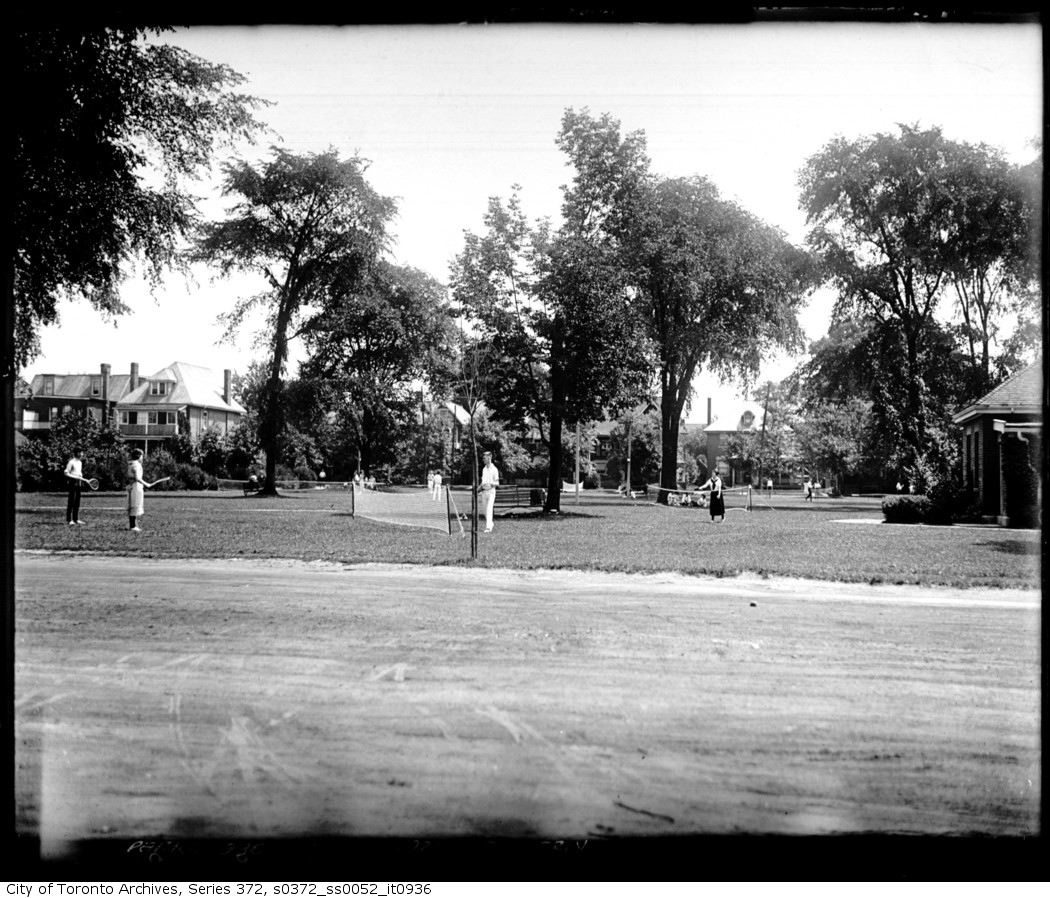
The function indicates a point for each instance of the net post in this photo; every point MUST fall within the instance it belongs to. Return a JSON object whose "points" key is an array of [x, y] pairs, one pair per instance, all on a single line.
{"points": [[749, 506], [353, 498], [448, 508]]}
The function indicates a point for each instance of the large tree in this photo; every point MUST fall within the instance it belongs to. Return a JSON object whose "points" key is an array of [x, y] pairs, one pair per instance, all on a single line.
{"points": [[303, 222], [375, 345], [719, 289], [993, 250], [106, 129], [893, 219], [554, 310]]}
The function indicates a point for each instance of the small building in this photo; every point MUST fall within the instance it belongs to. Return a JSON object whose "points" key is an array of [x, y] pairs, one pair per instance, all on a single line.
{"points": [[746, 418], [1002, 450]]}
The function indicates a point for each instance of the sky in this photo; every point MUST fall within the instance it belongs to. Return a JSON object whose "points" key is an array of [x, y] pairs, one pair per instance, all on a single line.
{"points": [[450, 115]]}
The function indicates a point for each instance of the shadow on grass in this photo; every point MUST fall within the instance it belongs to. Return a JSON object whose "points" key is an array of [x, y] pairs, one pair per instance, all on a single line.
{"points": [[1013, 547], [538, 515]]}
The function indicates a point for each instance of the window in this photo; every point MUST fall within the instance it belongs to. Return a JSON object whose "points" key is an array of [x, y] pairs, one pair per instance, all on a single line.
{"points": [[152, 419], [125, 417], [49, 386], [158, 388], [96, 386], [204, 417]]}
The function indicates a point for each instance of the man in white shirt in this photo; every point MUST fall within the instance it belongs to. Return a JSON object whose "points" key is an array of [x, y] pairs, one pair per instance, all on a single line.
{"points": [[489, 485], [74, 472], [435, 487]]}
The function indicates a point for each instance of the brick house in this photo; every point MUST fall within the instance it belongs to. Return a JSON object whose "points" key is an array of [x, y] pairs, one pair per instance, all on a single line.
{"points": [[1002, 449], [146, 409]]}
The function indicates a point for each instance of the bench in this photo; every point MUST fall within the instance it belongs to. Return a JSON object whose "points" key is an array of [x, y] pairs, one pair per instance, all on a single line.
{"points": [[516, 496]]}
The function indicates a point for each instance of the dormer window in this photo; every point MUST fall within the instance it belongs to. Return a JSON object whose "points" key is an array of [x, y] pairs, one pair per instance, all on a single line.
{"points": [[158, 388], [96, 386], [49, 386]]}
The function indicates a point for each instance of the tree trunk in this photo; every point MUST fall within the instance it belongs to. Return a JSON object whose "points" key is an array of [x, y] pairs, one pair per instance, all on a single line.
{"points": [[552, 505], [271, 430], [669, 428], [914, 430], [671, 405], [274, 399]]}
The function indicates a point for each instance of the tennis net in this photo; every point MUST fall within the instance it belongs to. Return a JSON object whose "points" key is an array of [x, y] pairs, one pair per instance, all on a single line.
{"points": [[734, 497], [409, 506]]}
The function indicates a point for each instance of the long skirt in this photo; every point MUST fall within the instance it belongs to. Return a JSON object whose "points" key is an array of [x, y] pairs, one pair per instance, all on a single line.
{"points": [[718, 506], [136, 497]]}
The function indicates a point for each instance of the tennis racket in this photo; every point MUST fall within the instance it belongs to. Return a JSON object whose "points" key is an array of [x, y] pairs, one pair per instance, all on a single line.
{"points": [[92, 482], [155, 482]]}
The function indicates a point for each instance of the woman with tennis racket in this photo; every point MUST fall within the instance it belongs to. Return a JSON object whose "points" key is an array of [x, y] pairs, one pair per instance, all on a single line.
{"points": [[136, 490]]}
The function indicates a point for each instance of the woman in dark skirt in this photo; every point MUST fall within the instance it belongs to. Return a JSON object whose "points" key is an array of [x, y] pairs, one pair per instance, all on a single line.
{"points": [[718, 505]]}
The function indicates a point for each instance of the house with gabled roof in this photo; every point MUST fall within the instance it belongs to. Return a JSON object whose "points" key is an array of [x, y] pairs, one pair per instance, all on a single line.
{"points": [[747, 417], [147, 410], [1002, 449]]}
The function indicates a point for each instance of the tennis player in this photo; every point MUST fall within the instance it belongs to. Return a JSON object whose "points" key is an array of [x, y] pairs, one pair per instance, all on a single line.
{"points": [[489, 485], [74, 481], [718, 505], [136, 491]]}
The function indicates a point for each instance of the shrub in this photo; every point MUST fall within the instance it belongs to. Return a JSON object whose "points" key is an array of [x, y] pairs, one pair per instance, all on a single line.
{"points": [[192, 477], [34, 469], [305, 473], [907, 510], [159, 463]]}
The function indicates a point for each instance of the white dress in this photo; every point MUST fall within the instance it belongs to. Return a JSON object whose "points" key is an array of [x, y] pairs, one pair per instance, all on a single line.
{"points": [[136, 493]]}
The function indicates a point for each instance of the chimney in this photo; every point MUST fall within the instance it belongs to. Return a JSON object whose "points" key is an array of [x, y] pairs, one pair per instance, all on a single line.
{"points": [[134, 382], [105, 383], [708, 409], [227, 385]]}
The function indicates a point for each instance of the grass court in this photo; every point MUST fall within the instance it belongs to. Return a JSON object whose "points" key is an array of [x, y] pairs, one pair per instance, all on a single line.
{"points": [[273, 672]]}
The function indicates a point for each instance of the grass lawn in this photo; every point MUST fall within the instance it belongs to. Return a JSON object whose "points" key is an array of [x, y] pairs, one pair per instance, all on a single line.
{"points": [[830, 539]]}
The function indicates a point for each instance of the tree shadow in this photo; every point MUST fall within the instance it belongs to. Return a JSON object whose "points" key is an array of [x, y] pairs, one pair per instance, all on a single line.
{"points": [[1013, 547]]}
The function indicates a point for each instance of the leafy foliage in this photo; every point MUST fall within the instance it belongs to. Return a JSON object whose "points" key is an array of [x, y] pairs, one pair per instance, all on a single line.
{"points": [[896, 218], [373, 346], [553, 310], [310, 225], [720, 289], [102, 145]]}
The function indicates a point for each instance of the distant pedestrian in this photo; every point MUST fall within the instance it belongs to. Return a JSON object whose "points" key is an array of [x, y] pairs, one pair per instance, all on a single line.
{"points": [[769, 486], [808, 487], [435, 488]]}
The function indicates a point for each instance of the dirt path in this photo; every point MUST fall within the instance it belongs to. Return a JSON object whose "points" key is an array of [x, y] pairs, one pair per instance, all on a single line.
{"points": [[254, 700]]}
